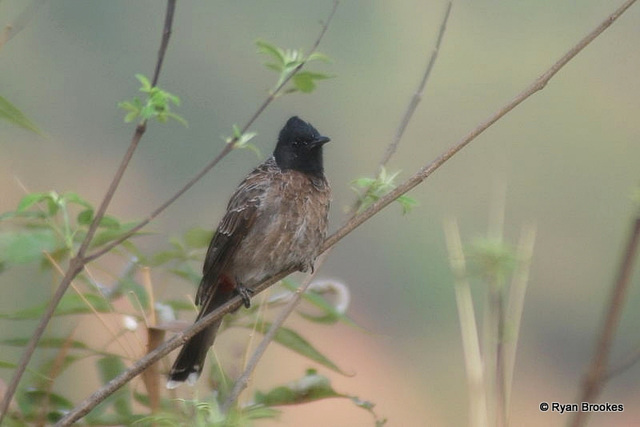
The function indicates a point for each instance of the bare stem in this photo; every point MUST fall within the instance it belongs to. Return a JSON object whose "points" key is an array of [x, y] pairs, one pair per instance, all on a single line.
{"points": [[77, 263], [537, 85], [596, 375], [417, 96], [242, 381]]}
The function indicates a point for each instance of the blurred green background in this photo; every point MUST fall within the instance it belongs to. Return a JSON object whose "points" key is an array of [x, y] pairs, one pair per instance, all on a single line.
{"points": [[568, 157]]}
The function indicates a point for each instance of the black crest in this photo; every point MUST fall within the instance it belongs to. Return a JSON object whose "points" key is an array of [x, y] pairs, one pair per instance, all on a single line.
{"points": [[300, 147]]}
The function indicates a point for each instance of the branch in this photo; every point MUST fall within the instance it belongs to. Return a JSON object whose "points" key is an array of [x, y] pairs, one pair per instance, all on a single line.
{"points": [[596, 375], [417, 96], [428, 169], [77, 263], [223, 153], [150, 358], [234, 303], [243, 380]]}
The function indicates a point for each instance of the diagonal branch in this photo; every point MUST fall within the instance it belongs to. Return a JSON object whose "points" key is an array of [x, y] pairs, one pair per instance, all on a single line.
{"points": [[77, 263], [234, 303], [417, 96], [596, 375], [537, 85]]}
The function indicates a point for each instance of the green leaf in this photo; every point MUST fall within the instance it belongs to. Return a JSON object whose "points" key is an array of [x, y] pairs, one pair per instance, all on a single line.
{"points": [[329, 314], [25, 215], [76, 199], [156, 106], [111, 234], [54, 365], [145, 82], [274, 52], [187, 273], [13, 115], [109, 221], [259, 412], [31, 402], [317, 56], [26, 246], [7, 365], [197, 237], [47, 343], [108, 368], [407, 203], [163, 257], [177, 118], [128, 287], [374, 189], [70, 304], [85, 217], [304, 81], [309, 388], [31, 199], [180, 305], [293, 341]]}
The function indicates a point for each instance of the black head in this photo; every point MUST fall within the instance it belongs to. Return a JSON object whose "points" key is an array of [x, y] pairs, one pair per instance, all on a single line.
{"points": [[300, 147]]}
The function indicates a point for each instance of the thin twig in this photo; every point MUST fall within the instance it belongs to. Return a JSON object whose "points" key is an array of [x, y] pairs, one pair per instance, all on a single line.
{"points": [[596, 375], [223, 153], [164, 43], [77, 263], [20, 22], [417, 96], [243, 379], [428, 169], [235, 302]]}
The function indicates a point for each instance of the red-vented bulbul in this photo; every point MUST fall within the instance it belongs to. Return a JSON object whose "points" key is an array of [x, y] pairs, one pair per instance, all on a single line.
{"points": [[276, 220]]}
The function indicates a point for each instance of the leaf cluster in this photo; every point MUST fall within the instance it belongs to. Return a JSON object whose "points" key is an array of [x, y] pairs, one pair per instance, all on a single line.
{"points": [[370, 190], [157, 104], [47, 228], [286, 62]]}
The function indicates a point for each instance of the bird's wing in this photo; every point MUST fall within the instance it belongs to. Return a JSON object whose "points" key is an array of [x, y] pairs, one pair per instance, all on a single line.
{"points": [[234, 226]]}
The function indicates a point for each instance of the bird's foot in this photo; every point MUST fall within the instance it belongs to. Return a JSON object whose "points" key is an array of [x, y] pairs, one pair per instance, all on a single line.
{"points": [[245, 293]]}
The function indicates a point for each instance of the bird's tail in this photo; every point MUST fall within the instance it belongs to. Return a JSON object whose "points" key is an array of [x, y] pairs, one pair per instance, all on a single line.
{"points": [[190, 361]]}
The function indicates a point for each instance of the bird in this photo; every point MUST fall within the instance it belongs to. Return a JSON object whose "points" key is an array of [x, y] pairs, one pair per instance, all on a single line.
{"points": [[276, 221]]}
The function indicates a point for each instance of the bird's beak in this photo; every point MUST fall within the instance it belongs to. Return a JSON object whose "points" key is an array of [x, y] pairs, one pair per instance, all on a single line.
{"points": [[321, 140]]}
